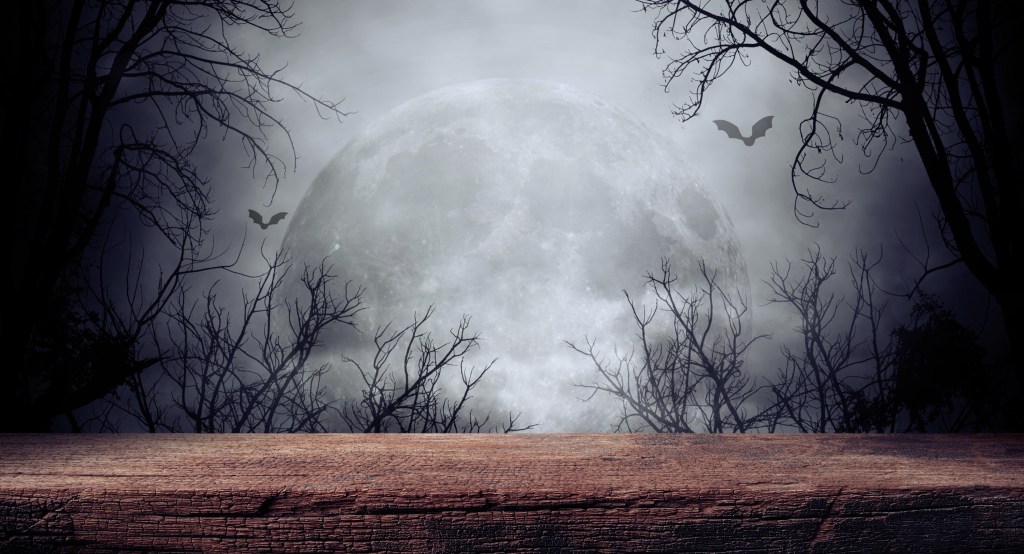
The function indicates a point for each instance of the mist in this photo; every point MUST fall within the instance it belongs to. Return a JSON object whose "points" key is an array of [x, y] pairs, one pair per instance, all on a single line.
{"points": [[377, 56]]}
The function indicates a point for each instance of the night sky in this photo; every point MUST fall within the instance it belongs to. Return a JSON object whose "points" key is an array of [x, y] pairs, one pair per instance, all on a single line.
{"points": [[379, 55]]}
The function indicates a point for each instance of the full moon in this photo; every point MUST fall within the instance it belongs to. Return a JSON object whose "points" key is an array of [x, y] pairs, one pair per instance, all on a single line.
{"points": [[529, 206]]}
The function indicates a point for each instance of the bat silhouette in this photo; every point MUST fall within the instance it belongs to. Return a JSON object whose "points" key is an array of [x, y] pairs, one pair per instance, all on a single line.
{"points": [[256, 217], [756, 132]]}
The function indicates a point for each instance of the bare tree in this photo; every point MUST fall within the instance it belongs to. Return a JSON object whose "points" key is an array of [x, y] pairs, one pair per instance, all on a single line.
{"points": [[252, 374], [820, 384], [95, 337], [686, 379], [855, 370], [407, 395], [850, 368], [113, 98], [943, 68]]}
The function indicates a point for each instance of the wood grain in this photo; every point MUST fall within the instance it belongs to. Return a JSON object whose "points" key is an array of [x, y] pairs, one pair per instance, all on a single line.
{"points": [[489, 493]]}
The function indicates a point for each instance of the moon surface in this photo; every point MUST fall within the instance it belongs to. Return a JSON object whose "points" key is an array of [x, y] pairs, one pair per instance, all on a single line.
{"points": [[529, 206]]}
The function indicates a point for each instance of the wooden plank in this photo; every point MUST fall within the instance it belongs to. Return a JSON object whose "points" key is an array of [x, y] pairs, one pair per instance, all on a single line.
{"points": [[445, 493]]}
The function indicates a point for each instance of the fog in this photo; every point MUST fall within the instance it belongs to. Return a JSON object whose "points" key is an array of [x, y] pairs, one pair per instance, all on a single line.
{"points": [[378, 55]]}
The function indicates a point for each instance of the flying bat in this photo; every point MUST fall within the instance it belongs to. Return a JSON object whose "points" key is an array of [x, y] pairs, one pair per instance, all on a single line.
{"points": [[256, 217], [756, 132]]}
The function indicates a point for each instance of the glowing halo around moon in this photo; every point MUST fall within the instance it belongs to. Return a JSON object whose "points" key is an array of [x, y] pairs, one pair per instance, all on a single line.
{"points": [[525, 204]]}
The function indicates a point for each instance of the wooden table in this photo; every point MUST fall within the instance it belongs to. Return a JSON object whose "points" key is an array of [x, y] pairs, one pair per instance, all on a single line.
{"points": [[448, 493]]}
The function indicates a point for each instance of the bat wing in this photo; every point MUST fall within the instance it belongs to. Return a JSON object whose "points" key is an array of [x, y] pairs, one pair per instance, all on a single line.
{"points": [[761, 127], [731, 130], [277, 217], [256, 217]]}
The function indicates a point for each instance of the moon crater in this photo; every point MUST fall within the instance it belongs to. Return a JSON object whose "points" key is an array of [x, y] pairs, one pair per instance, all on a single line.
{"points": [[526, 204]]}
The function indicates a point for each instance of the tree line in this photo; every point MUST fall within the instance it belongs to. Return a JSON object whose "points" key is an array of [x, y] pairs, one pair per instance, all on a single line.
{"points": [[843, 369]]}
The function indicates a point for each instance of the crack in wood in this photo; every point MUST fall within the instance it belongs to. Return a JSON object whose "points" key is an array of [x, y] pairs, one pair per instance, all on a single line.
{"points": [[826, 518], [527, 493], [48, 516]]}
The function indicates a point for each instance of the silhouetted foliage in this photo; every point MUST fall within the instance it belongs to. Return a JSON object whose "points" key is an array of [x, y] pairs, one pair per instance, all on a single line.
{"points": [[249, 368], [942, 377], [852, 375], [112, 100], [77, 354], [849, 368], [247, 374]]}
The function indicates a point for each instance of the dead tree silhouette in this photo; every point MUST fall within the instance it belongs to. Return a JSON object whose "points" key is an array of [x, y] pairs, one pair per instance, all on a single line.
{"points": [[114, 99], [946, 71]]}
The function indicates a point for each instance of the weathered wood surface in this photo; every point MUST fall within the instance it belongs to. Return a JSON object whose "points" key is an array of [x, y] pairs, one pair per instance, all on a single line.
{"points": [[618, 493]]}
